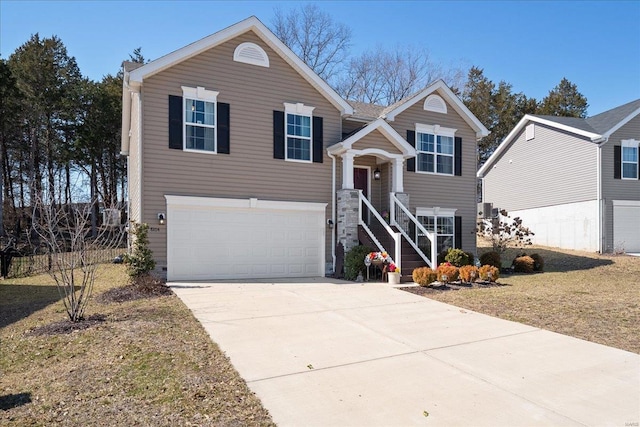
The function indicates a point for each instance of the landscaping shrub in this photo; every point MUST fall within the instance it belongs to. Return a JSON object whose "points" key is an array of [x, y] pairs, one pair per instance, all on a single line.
{"points": [[523, 264], [354, 262], [457, 257], [140, 261], [491, 258], [451, 271], [471, 258], [538, 262], [486, 269], [424, 276], [468, 273], [442, 257]]}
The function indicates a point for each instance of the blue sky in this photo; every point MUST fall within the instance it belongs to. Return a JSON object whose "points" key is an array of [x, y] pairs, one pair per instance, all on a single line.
{"points": [[532, 45]]}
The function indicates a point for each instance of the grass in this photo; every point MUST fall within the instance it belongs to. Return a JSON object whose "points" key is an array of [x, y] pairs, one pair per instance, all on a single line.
{"points": [[584, 295], [148, 363]]}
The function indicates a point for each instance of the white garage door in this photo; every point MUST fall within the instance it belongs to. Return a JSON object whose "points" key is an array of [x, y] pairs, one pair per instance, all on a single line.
{"points": [[210, 238], [626, 225]]}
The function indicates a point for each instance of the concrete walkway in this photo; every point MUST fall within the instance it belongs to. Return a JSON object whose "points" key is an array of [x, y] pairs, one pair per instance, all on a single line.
{"points": [[330, 353]]}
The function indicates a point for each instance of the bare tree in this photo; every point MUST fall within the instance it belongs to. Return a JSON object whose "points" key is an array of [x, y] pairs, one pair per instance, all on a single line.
{"points": [[65, 233], [384, 76], [315, 37], [504, 232]]}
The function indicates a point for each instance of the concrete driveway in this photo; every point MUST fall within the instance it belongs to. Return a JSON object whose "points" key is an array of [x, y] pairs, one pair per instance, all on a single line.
{"points": [[321, 352]]}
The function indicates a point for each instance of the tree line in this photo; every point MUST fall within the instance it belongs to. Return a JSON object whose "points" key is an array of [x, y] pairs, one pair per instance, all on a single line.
{"points": [[59, 134], [60, 131], [385, 76]]}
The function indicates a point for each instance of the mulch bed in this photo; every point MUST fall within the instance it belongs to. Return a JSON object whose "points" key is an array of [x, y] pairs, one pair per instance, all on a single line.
{"points": [[455, 286], [143, 287], [67, 326]]}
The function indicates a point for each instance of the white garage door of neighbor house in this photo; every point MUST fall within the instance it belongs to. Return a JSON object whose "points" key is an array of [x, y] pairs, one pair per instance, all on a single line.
{"points": [[626, 225], [213, 238]]}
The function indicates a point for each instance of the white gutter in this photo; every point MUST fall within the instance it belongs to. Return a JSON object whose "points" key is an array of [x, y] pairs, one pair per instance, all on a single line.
{"points": [[600, 210], [333, 210], [126, 115]]}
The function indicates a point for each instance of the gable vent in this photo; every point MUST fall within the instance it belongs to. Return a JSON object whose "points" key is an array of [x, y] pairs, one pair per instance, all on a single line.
{"points": [[436, 104], [251, 53]]}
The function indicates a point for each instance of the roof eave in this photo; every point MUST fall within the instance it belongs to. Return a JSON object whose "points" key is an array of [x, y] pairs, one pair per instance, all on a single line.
{"points": [[250, 24]]}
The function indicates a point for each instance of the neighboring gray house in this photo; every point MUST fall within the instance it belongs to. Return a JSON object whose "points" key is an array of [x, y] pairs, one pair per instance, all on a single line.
{"points": [[575, 182], [246, 164]]}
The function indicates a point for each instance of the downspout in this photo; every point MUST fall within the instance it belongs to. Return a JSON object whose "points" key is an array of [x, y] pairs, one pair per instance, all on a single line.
{"points": [[600, 211], [333, 210]]}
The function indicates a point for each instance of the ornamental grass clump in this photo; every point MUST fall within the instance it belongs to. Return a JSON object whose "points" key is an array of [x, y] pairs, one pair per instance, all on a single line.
{"points": [[468, 273], [489, 273], [523, 264], [538, 262], [424, 276], [447, 272]]}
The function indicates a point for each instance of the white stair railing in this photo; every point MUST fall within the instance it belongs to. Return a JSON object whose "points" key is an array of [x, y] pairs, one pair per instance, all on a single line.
{"points": [[397, 237], [413, 230]]}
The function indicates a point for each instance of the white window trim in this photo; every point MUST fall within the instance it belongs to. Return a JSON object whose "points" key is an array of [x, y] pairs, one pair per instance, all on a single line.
{"points": [[436, 213], [200, 94], [630, 143], [298, 109], [436, 131]]}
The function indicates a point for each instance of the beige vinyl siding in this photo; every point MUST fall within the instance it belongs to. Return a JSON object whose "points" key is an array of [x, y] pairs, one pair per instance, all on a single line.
{"points": [[250, 170], [556, 167], [617, 189], [376, 140], [444, 191]]}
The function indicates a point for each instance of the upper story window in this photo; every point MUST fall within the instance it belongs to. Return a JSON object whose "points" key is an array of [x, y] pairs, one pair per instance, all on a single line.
{"points": [[199, 119], [298, 128], [435, 147], [630, 159]]}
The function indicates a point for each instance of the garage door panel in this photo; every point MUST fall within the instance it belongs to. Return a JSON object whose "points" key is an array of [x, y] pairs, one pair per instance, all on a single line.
{"points": [[211, 242]]}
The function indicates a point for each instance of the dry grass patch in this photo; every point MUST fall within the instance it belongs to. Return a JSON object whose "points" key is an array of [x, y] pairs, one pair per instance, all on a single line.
{"points": [[141, 362], [585, 295]]}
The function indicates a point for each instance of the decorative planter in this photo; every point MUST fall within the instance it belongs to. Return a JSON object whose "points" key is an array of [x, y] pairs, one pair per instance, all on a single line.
{"points": [[394, 278]]}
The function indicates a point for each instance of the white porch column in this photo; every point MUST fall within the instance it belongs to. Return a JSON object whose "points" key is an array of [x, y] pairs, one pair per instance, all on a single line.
{"points": [[397, 184], [347, 171]]}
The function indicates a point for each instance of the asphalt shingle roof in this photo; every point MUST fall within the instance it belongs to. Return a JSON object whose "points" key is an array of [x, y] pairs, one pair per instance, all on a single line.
{"points": [[603, 122]]}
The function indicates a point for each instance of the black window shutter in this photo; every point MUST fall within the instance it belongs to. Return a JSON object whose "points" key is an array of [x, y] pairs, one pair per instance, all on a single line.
{"points": [[617, 162], [411, 139], [223, 129], [318, 145], [457, 160], [278, 134], [175, 122], [457, 230]]}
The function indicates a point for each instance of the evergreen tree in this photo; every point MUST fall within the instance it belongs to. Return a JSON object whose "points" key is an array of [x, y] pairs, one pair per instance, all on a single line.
{"points": [[564, 100]]}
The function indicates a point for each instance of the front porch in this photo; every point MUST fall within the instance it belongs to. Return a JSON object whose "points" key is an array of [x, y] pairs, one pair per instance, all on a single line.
{"points": [[372, 208]]}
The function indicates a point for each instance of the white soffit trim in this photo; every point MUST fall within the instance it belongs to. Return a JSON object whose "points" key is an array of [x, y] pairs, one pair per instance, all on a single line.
{"points": [[213, 202], [250, 24], [621, 123], [455, 102], [626, 203], [385, 129], [435, 211], [506, 142]]}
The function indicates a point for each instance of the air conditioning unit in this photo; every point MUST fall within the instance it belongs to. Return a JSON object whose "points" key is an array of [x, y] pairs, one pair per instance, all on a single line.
{"points": [[111, 217]]}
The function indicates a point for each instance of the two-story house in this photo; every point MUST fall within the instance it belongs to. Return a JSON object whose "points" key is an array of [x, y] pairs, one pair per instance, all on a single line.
{"points": [[575, 182], [246, 164]]}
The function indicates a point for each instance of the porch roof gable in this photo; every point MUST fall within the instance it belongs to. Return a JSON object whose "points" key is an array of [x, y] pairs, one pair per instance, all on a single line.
{"points": [[406, 150]]}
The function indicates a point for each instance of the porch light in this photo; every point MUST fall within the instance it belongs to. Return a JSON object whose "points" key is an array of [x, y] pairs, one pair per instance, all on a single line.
{"points": [[161, 218], [377, 174]]}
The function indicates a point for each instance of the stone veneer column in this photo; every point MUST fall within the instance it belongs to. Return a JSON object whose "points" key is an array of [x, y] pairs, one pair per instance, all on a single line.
{"points": [[347, 218]]}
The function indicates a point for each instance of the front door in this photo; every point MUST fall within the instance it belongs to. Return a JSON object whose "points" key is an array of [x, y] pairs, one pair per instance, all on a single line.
{"points": [[361, 182]]}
